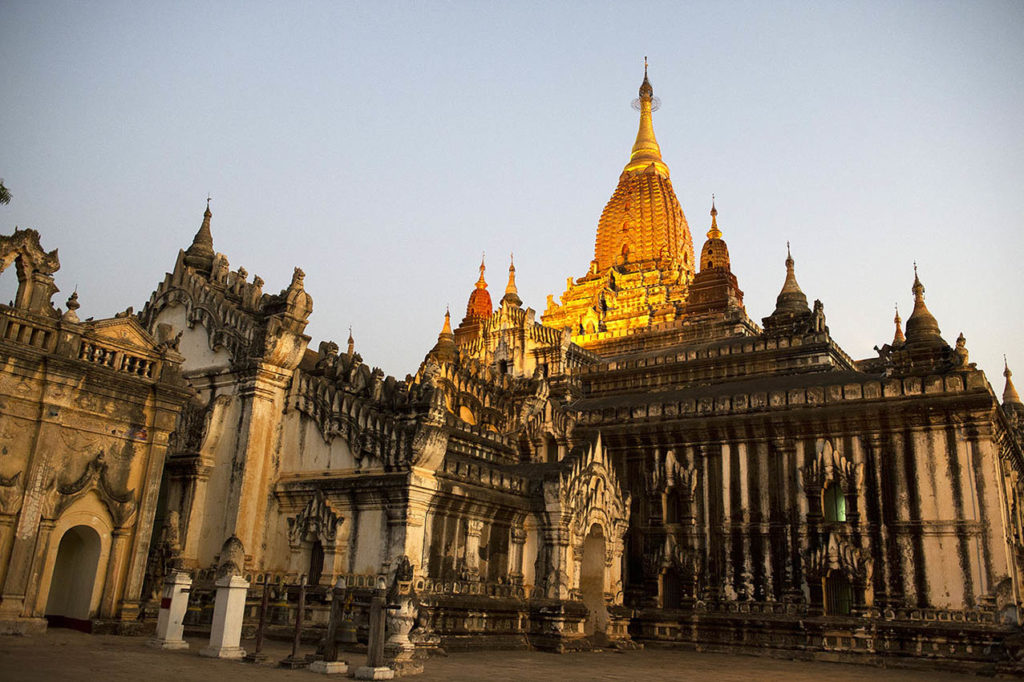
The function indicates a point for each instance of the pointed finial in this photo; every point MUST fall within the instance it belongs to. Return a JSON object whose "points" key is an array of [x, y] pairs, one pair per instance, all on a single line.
{"points": [[480, 283], [511, 292], [646, 152], [1010, 394], [200, 254], [917, 289], [714, 232], [791, 298], [898, 338], [922, 328], [447, 328], [73, 305]]}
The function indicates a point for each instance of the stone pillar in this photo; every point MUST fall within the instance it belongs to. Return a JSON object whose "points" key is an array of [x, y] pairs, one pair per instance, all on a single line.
{"points": [[517, 537], [37, 566], [228, 610], [729, 581], [791, 590], [474, 528], [261, 396], [173, 604], [119, 550], [195, 511]]}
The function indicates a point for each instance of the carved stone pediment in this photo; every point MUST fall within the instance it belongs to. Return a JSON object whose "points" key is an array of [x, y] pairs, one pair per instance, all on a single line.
{"points": [[830, 465], [839, 555], [120, 504], [589, 492], [317, 521], [124, 330]]}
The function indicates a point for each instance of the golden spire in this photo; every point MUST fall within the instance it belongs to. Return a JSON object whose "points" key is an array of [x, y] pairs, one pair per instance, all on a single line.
{"points": [[898, 339], [444, 350], [1010, 392], [480, 283], [447, 328], [351, 343], [714, 232], [511, 292], [646, 150]]}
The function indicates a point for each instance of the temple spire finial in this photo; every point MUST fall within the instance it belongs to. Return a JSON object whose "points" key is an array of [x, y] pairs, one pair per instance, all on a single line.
{"points": [[1010, 394], [792, 298], [200, 253], [481, 283], [898, 338], [714, 232], [646, 152], [922, 327], [511, 292]]}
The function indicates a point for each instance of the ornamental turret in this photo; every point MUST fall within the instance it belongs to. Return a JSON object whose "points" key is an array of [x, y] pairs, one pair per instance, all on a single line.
{"points": [[444, 349], [791, 299], [511, 296], [479, 305], [922, 327], [898, 338], [714, 289], [1010, 395], [200, 254]]}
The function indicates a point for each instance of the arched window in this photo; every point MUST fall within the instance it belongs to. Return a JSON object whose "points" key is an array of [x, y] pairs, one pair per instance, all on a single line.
{"points": [[834, 502]]}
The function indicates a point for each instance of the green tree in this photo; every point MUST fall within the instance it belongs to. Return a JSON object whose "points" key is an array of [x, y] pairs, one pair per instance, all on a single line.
{"points": [[5, 194]]}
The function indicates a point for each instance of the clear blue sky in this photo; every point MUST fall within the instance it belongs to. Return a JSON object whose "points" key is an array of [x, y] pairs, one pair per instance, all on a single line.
{"points": [[383, 146]]}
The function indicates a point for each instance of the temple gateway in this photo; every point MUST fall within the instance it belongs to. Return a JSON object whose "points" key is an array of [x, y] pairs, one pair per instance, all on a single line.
{"points": [[642, 462]]}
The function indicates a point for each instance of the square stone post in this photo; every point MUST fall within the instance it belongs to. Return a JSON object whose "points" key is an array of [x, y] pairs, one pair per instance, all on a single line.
{"points": [[228, 610], [173, 604]]}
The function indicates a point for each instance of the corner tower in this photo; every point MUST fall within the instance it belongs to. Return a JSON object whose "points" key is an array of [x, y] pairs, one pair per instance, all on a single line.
{"points": [[643, 253]]}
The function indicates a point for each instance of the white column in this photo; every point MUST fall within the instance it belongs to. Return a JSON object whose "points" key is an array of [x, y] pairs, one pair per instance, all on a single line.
{"points": [[173, 603], [228, 610]]}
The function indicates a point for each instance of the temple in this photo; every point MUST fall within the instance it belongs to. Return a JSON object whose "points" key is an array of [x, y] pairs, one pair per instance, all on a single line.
{"points": [[643, 462]]}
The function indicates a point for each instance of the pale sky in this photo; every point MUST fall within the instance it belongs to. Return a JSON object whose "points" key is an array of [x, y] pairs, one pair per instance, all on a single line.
{"points": [[383, 146]]}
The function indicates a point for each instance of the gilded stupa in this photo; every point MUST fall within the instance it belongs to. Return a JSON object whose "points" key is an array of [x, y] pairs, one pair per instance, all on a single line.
{"points": [[643, 255]]}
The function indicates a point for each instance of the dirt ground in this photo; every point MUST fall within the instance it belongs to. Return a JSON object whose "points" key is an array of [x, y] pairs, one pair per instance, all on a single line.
{"points": [[69, 655]]}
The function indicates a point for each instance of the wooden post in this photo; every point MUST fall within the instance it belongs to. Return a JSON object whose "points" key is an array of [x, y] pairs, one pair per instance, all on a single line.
{"points": [[294, 661], [256, 656], [375, 645], [330, 663], [330, 643]]}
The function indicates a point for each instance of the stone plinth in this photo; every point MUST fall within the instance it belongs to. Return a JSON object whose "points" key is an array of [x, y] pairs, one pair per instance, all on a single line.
{"points": [[173, 604], [228, 610], [371, 673], [329, 667]]}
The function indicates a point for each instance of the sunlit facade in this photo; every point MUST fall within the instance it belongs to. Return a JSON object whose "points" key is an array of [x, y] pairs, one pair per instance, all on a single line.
{"points": [[642, 462]]}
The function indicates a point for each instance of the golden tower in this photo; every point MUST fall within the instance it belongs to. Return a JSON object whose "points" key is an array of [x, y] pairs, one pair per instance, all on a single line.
{"points": [[643, 254]]}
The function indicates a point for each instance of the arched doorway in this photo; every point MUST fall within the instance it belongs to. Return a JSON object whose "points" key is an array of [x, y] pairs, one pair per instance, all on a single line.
{"points": [[592, 583], [74, 579]]}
